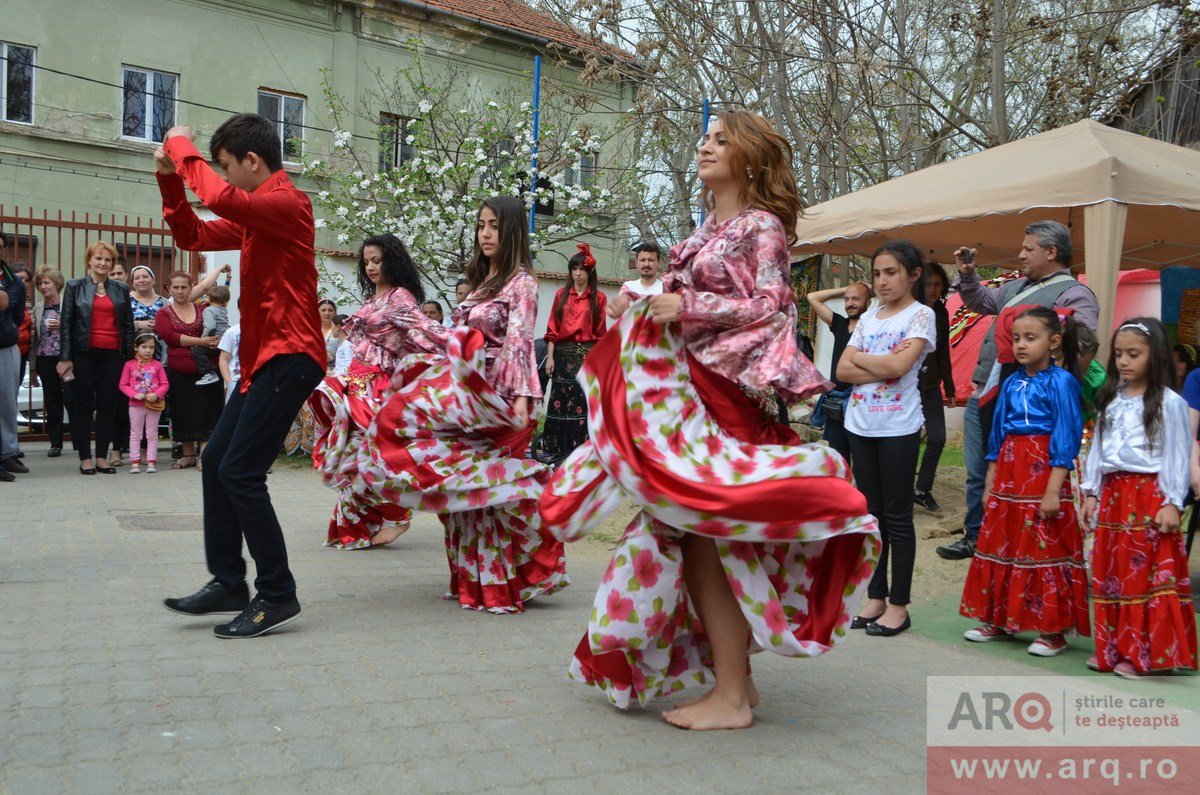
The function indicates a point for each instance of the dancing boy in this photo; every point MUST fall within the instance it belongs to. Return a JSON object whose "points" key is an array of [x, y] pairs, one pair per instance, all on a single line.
{"points": [[282, 355]]}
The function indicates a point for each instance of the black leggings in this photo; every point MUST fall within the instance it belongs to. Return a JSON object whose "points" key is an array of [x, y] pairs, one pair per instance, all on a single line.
{"points": [[97, 373], [883, 469]]}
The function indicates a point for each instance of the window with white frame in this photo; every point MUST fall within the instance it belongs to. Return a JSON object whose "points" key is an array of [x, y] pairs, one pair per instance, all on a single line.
{"points": [[287, 111], [147, 103], [583, 175], [394, 148], [16, 87]]}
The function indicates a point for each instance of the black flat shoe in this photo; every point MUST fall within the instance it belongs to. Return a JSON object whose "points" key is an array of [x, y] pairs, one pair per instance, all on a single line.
{"points": [[54, 452], [107, 470], [862, 622], [87, 471], [878, 630]]}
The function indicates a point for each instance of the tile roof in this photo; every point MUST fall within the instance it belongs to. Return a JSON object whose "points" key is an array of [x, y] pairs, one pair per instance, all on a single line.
{"points": [[523, 19]]}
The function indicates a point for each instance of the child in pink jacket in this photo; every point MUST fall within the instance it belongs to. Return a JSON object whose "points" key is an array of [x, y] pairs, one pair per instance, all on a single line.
{"points": [[145, 382]]}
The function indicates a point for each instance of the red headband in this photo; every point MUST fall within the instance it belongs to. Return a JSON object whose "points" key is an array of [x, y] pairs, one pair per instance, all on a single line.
{"points": [[589, 261]]}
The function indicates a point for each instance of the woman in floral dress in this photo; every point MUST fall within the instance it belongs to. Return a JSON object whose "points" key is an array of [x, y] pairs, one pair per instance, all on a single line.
{"points": [[386, 330], [747, 539], [576, 322], [454, 440]]}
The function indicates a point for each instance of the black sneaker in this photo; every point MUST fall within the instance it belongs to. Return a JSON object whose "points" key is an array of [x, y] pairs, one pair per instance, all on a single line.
{"points": [[6, 476], [259, 618], [961, 549], [925, 500], [212, 598]]}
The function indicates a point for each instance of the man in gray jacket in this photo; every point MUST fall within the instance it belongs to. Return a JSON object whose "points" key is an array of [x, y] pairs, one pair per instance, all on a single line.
{"points": [[1047, 280]]}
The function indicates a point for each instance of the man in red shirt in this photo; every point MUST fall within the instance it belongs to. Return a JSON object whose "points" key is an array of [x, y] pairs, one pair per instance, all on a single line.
{"points": [[282, 354]]}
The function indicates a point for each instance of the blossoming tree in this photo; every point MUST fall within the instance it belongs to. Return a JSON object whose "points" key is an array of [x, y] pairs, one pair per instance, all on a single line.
{"points": [[442, 146]]}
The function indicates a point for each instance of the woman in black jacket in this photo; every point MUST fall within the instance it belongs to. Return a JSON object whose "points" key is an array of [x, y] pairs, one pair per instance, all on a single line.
{"points": [[97, 338]]}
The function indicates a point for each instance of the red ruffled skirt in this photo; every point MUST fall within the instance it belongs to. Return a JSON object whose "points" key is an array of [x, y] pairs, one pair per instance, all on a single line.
{"points": [[1028, 572], [1140, 584]]}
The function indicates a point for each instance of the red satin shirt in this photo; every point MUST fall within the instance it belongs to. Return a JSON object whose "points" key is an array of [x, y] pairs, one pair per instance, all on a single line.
{"points": [[273, 228], [577, 325]]}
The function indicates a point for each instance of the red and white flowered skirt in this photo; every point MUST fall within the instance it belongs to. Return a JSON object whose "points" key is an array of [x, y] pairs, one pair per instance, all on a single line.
{"points": [[1027, 573], [445, 442], [701, 458], [1140, 585], [344, 407]]}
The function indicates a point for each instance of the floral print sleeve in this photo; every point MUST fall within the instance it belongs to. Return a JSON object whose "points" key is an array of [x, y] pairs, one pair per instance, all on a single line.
{"points": [[736, 312], [515, 370], [390, 327]]}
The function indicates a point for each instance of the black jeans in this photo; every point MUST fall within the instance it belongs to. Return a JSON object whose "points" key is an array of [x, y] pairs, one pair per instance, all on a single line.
{"points": [[839, 438], [935, 436], [242, 448], [53, 398], [883, 470], [97, 373]]}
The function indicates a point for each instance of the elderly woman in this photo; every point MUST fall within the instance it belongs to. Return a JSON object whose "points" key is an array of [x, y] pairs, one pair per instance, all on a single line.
{"points": [[50, 283], [96, 339], [194, 409]]}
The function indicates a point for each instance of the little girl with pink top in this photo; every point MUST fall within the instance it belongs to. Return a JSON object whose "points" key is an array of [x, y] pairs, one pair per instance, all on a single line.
{"points": [[144, 381]]}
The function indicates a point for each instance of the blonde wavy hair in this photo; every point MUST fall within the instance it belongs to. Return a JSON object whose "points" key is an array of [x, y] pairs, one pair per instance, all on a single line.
{"points": [[98, 246], [761, 162]]}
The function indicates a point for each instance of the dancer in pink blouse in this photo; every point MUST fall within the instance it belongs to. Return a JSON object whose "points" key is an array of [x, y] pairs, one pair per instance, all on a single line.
{"points": [[454, 440], [747, 539], [393, 341]]}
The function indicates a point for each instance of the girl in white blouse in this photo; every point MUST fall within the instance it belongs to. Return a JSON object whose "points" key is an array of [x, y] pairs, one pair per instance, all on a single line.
{"points": [[1135, 483]]}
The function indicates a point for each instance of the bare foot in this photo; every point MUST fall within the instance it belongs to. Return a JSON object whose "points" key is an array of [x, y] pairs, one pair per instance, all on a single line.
{"points": [[752, 696], [390, 533], [715, 712]]}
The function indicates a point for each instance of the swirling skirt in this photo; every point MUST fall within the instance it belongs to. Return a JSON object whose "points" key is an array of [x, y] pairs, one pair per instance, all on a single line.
{"points": [[343, 407], [445, 442], [702, 458]]}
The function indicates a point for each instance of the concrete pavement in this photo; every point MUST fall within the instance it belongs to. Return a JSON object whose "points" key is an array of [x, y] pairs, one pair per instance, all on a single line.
{"points": [[381, 685]]}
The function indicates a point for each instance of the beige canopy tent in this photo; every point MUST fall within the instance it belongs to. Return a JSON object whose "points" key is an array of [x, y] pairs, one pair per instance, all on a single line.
{"points": [[1130, 201]]}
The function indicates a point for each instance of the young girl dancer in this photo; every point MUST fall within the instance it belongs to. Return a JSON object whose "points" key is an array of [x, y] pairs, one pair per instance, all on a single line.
{"points": [[1136, 482], [389, 327], [144, 382], [576, 322], [454, 439], [746, 539], [883, 418], [1028, 573]]}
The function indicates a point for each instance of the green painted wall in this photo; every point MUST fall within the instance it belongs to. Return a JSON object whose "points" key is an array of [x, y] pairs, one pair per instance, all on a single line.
{"points": [[73, 157]]}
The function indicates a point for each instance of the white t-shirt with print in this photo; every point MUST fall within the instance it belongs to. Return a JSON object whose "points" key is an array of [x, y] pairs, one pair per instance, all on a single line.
{"points": [[892, 407]]}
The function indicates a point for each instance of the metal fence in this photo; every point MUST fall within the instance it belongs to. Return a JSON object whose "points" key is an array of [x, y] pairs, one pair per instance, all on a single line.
{"points": [[60, 239]]}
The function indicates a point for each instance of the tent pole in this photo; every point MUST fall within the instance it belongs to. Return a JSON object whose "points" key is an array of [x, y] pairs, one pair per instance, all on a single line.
{"points": [[1103, 240]]}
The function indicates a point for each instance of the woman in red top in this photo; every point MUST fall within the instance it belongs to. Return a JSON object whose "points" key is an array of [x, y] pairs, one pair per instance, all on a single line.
{"points": [[576, 322], [194, 409], [97, 338]]}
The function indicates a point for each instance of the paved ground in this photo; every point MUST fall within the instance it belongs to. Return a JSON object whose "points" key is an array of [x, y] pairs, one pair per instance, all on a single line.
{"points": [[381, 686]]}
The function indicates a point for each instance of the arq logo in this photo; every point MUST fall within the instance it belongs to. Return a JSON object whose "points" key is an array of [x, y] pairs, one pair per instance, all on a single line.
{"points": [[1030, 711]]}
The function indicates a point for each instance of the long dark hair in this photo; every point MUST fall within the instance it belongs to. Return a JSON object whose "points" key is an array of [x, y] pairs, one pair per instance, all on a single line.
{"points": [[512, 251], [1160, 374], [908, 256], [560, 300], [1064, 327], [397, 267]]}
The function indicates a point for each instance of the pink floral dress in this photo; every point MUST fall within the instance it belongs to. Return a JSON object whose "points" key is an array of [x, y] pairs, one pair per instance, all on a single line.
{"points": [[388, 330], [447, 442], [682, 424]]}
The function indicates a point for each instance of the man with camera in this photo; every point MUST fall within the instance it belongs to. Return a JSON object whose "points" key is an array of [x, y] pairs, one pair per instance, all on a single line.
{"points": [[1046, 280]]}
